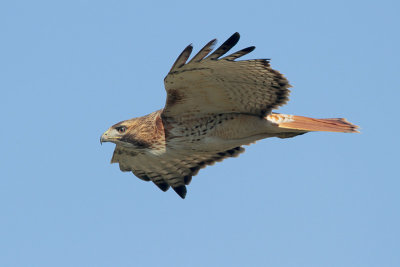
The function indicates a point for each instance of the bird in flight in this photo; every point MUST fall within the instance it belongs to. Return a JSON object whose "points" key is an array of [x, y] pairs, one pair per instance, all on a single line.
{"points": [[215, 105]]}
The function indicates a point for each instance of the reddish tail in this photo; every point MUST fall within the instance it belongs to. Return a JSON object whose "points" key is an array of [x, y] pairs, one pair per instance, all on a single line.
{"points": [[301, 123]]}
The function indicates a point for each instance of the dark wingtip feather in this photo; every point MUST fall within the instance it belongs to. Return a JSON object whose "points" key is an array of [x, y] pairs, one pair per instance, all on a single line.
{"points": [[226, 46], [240, 53], [187, 179], [162, 185], [180, 190], [204, 51], [181, 60]]}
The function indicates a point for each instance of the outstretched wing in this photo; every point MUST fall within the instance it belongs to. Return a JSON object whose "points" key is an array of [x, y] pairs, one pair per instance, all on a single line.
{"points": [[222, 85], [173, 169]]}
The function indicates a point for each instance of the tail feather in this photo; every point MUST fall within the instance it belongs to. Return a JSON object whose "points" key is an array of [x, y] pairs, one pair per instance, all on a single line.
{"points": [[301, 123]]}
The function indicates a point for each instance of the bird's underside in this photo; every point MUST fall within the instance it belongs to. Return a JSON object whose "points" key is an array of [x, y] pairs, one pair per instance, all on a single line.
{"points": [[214, 106]]}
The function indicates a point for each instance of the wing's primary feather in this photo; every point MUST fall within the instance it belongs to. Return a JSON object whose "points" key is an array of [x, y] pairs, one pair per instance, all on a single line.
{"points": [[204, 51], [181, 60], [225, 47], [239, 53]]}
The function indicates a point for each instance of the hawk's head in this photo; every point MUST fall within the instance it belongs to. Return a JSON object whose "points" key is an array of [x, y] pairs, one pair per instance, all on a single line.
{"points": [[117, 132], [126, 133]]}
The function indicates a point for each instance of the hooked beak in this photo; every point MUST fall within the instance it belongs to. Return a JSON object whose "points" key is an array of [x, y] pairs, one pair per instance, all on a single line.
{"points": [[104, 137]]}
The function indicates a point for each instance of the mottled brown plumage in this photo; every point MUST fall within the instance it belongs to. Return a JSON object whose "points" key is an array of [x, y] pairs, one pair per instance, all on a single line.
{"points": [[214, 106]]}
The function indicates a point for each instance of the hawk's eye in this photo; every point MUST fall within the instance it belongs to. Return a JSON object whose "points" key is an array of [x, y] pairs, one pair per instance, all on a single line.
{"points": [[121, 129]]}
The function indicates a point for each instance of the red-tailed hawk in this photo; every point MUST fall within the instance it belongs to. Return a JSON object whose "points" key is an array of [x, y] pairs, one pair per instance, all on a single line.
{"points": [[214, 106]]}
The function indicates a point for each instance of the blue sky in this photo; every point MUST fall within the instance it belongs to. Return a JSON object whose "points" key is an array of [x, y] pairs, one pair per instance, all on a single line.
{"points": [[70, 69]]}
